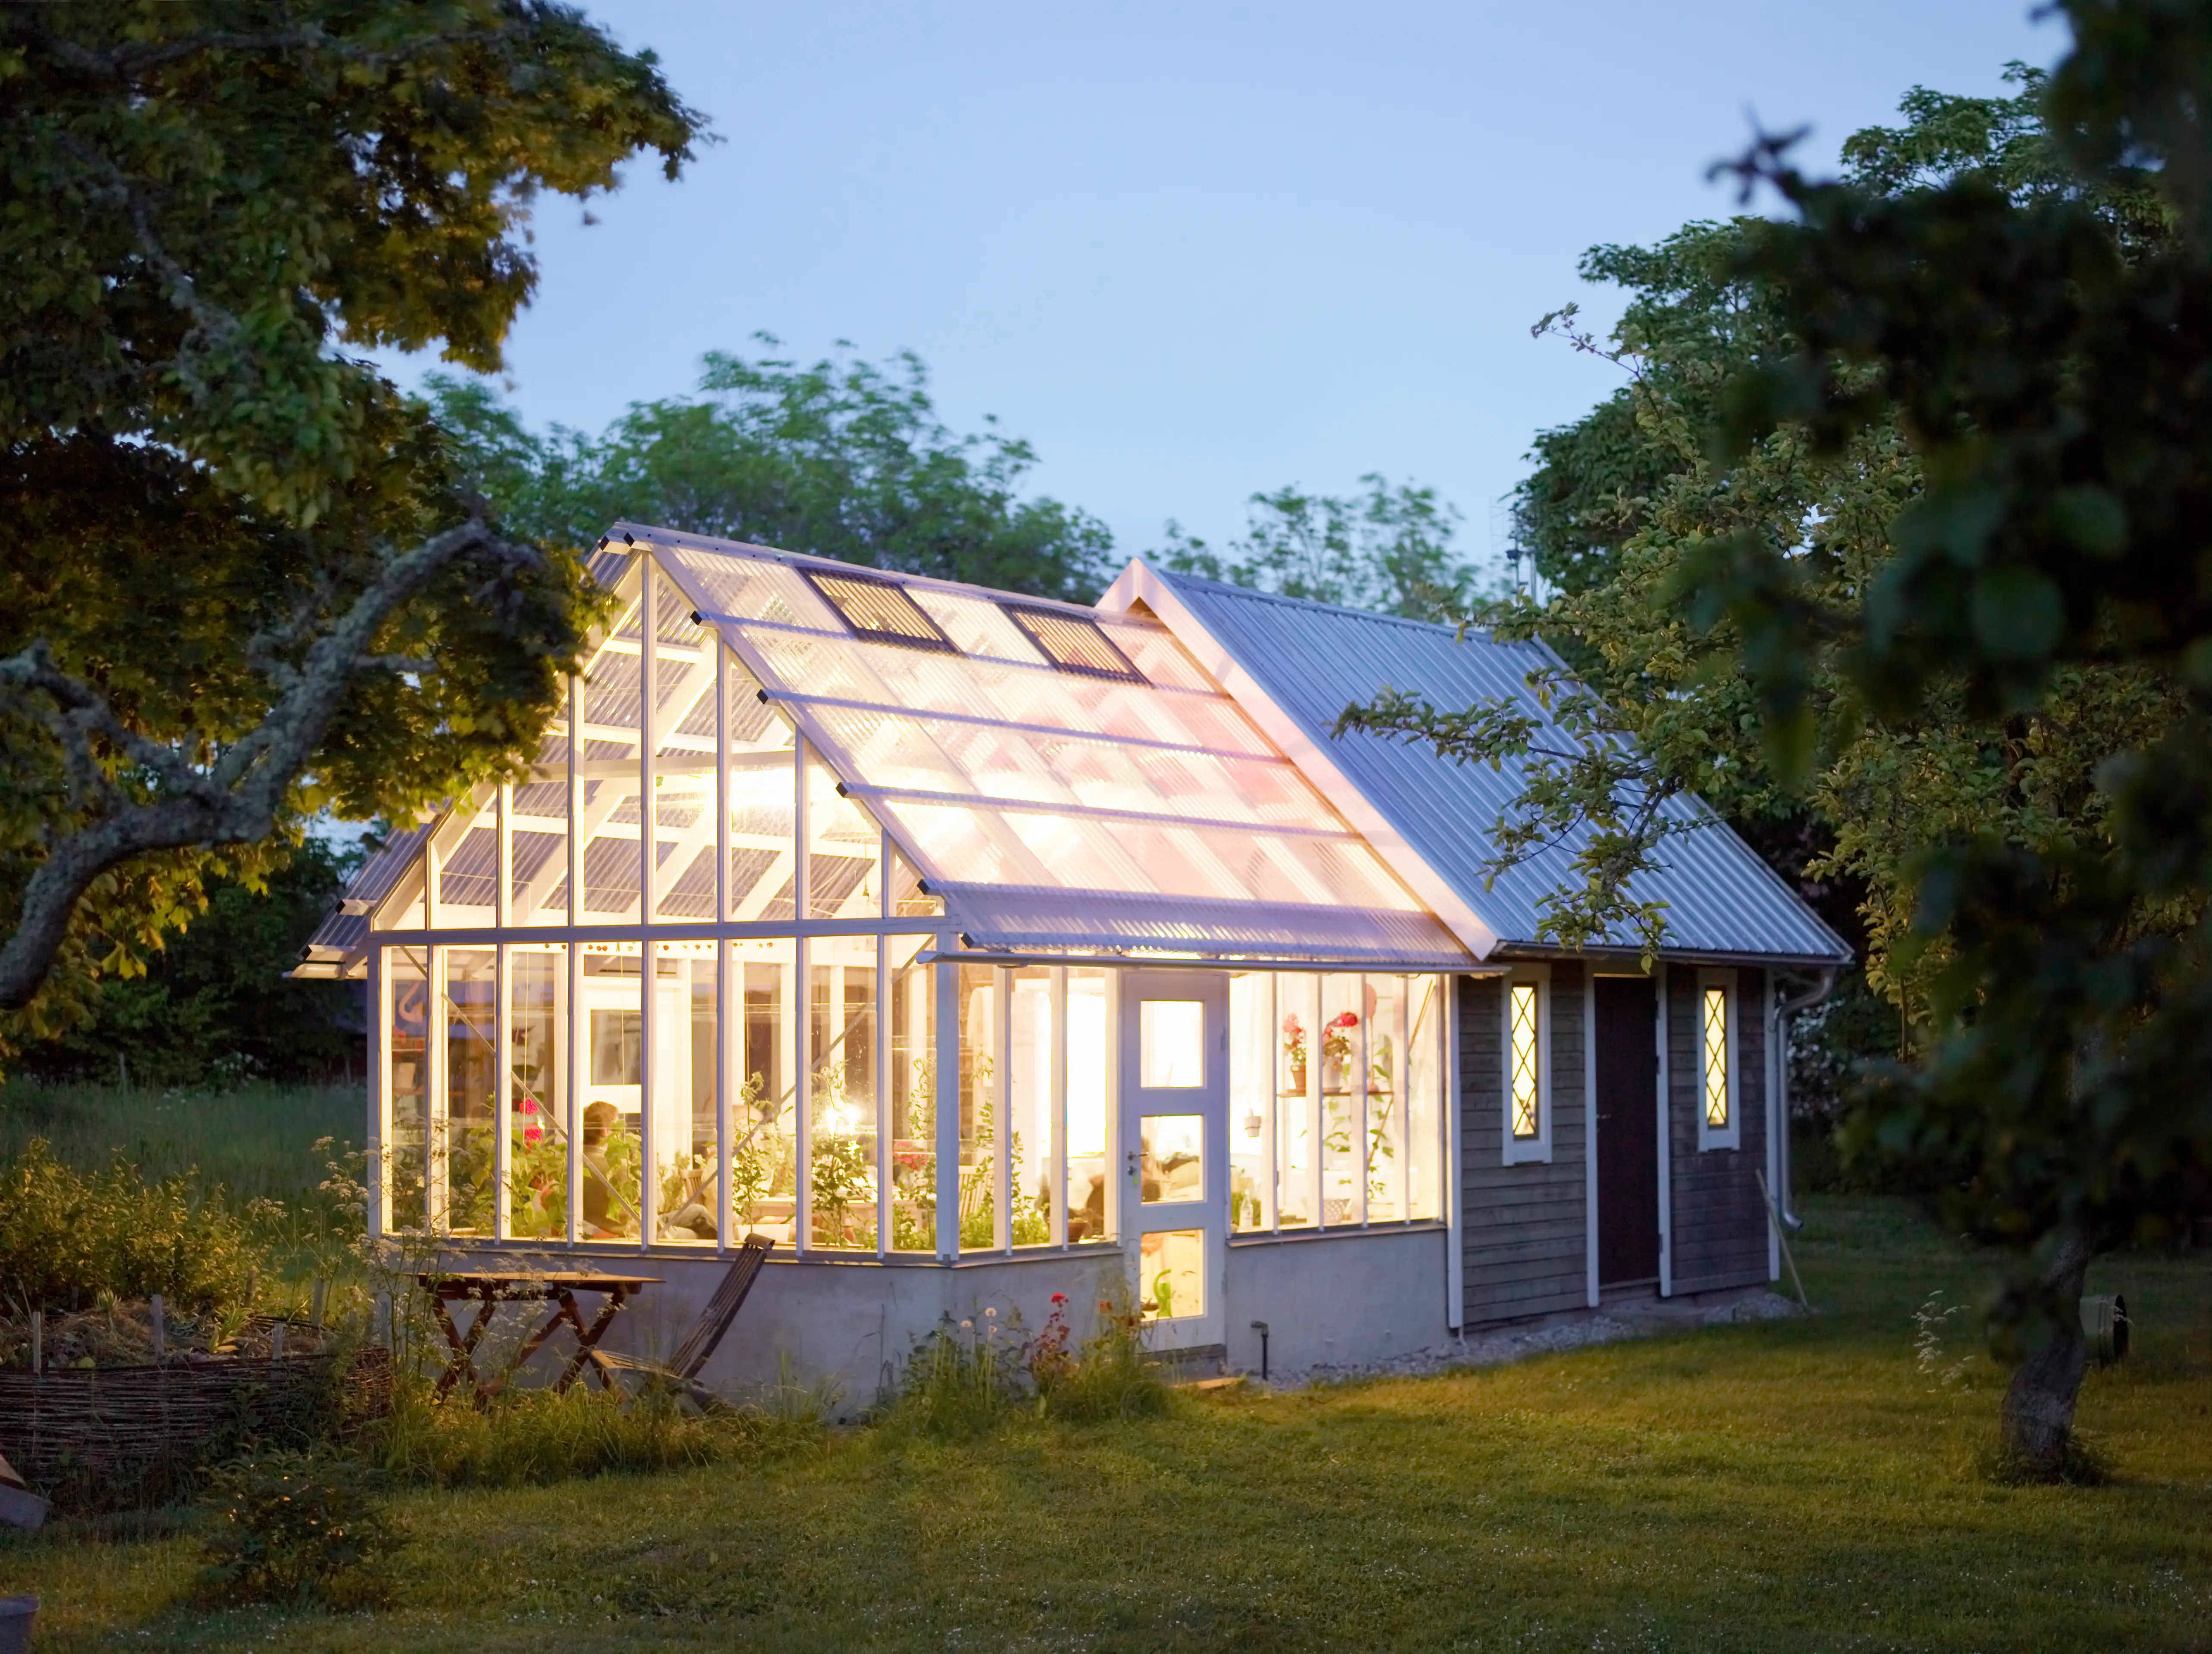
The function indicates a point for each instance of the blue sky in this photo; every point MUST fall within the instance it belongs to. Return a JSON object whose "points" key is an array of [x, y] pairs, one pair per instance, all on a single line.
{"points": [[1194, 251]]}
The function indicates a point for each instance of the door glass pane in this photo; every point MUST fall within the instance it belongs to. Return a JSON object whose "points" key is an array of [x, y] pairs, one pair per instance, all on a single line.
{"points": [[407, 1119], [1171, 1275], [1088, 1218], [1386, 1098], [1173, 1147], [842, 1141], [1343, 1038], [1171, 1044], [537, 1149], [913, 1100], [764, 1096], [1297, 1100], [472, 1089], [1251, 1098], [1028, 1101], [686, 976], [613, 1010]]}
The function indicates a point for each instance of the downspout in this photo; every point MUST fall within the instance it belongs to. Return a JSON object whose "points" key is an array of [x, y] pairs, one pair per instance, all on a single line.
{"points": [[1784, 1185]]}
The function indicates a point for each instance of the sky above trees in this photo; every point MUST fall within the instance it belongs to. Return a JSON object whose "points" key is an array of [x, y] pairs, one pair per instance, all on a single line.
{"points": [[1196, 252]]}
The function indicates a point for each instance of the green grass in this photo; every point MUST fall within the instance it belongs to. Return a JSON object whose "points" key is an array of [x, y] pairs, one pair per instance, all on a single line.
{"points": [[254, 1141], [1794, 1485]]}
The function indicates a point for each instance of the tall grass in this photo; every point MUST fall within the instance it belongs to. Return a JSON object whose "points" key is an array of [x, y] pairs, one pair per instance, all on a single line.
{"points": [[256, 1141]]}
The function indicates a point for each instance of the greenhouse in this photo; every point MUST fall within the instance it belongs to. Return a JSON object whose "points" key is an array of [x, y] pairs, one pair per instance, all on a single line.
{"points": [[973, 948]]}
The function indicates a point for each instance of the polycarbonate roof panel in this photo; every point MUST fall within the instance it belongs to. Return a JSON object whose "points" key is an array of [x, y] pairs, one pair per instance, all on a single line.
{"points": [[1313, 661], [1060, 808]]}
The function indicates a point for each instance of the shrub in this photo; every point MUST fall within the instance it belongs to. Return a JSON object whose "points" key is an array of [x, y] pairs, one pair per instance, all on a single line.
{"points": [[298, 1529], [68, 1238], [1112, 1376], [962, 1380]]}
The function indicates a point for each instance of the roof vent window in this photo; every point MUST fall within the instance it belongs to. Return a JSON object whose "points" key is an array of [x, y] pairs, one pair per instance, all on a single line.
{"points": [[879, 611], [1074, 644]]}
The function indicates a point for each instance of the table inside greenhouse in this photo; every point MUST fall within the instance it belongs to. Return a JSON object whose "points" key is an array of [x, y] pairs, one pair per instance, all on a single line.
{"points": [[490, 1288]]}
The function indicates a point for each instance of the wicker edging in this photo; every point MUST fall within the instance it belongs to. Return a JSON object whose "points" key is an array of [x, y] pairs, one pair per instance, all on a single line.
{"points": [[112, 1437]]}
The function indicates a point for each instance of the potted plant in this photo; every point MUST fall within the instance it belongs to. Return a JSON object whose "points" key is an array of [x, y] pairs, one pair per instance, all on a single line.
{"points": [[1294, 1054]]}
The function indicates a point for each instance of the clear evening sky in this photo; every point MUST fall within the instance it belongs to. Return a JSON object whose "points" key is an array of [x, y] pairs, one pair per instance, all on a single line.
{"points": [[1193, 251]]}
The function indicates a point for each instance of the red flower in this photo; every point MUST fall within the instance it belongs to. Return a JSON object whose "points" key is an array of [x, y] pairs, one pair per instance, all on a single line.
{"points": [[1345, 1019], [529, 1105], [1060, 1297], [533, 1133]]}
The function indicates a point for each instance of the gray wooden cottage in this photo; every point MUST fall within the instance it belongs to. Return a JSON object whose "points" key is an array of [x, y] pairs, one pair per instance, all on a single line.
{"points": [[978, 949]]}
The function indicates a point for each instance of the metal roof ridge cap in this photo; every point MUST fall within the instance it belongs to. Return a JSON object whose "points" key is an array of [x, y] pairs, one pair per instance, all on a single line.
{"points": [[1253, 594], [1140, 582]]}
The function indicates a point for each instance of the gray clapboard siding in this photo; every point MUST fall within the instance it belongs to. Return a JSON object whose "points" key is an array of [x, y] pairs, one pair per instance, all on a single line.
{"points": [[1719, 1216], [1525, 1227]]}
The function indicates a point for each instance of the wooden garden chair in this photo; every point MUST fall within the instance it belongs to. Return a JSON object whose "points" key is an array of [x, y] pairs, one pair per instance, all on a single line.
{"points": [[682, 1371]]}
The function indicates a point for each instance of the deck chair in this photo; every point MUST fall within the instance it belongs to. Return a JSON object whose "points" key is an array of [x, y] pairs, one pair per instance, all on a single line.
{"points": [[681, 1372]]}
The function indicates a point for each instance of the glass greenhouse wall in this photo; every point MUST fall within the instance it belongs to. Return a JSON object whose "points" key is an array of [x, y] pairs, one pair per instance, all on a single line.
{"points": [[811, 916]]}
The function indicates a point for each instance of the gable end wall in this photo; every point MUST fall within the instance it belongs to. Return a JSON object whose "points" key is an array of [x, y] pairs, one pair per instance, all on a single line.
{"points": [[1525, 1227]]}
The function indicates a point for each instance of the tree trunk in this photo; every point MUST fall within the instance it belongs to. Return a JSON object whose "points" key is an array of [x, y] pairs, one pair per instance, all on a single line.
{"points": [[2038, 1406]]}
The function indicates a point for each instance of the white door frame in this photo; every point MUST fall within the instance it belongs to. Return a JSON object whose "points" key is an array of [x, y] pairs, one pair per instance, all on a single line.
{"points": [[1209, 1099]]}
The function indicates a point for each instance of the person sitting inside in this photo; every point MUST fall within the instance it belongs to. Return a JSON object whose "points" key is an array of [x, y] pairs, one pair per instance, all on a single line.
{"points": [[607, 1215]]}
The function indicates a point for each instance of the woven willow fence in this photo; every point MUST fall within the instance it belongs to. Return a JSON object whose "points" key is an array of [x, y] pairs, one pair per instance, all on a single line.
{"points": [[114, 1437]]}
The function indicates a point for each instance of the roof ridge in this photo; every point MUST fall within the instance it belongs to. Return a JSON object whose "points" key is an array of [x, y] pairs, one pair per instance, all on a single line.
{"points": [[1177, 578]]}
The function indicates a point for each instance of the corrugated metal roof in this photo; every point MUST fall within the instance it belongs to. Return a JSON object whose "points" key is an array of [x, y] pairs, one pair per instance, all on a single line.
{"points": [[1312, 660]]}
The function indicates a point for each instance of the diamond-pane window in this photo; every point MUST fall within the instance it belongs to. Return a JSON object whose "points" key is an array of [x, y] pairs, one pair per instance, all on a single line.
{"points": [[880, 610], [1521, 1019], [1074, 644], [1716, 1059]]}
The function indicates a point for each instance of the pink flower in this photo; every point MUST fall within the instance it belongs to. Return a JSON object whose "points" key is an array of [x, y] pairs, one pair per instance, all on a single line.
{"points": [[1345, 1019], [1290, 1024], [533, 1133], [529, 1105]]}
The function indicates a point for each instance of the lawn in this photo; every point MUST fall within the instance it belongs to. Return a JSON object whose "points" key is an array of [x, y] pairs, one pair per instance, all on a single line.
{"points": [[1798, 1484]]}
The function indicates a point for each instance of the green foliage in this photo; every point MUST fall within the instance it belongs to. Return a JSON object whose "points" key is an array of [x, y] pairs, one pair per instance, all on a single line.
{"points": [[1389, 549], [840, 458], [967, 1379], [300, 1529], [216, 1004], [1111, 1375], [69, 1238], [260, 585]]}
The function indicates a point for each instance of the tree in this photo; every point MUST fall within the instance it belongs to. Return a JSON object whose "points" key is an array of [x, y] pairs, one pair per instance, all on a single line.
{"points": [[1389, 549], [217, 1002], [251, 579], [840, 459], [1893, 572]]}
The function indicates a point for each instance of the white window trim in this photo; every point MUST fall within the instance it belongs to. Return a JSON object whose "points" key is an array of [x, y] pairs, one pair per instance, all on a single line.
{"points": [[1731, 1136], [1537, 1150]]}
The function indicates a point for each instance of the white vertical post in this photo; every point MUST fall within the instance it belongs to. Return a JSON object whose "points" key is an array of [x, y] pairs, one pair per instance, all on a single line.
{"points": [[803, 1099], [503, 897], [884, 1115], [1453, 1114], [502, 1088], [729, 1065], [1002, 1099], [1056, 1100], [1362, 1059], [576, 805], [721, 776], [434, 1053], [377, 1168], [573, 1030], [648, 848], [1666, 1146], [1270, 1179], [944, 982]]}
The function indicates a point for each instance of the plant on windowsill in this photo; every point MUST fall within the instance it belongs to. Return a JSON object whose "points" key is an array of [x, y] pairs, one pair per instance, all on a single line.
{"points": [[840, 1162], [1336, 1051], [1294, 1054]]}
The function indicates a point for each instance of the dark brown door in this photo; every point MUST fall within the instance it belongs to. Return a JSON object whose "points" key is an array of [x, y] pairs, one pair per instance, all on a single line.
{"points": [[1627, 1131]]}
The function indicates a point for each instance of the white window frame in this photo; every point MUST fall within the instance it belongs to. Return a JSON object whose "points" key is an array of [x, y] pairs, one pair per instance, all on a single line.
{"points": [[1730, 1136], [1537, 1150]]}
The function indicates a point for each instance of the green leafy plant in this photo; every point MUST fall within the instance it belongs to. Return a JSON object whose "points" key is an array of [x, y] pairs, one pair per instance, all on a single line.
{"points": [[298, 1529]]}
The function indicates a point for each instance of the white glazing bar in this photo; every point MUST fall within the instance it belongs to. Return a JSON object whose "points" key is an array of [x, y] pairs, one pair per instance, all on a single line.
{"points": [[1271, 1182], [729, 1029], [648, 745], [433, 866], [575, 846], [572, 1126], [898, 708], [1057, 1082], [502, 1090], [378, 1166], [1002, 1102], [1033, 806], [1363, 1147], [502, 914], [945, 987], [436, 1036], [648, 1036], [802, 1226], [883, 1103], [722, 691]]}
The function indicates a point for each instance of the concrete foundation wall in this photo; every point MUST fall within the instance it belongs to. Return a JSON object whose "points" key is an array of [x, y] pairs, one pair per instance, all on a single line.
{"points": [[1336, 1300]]}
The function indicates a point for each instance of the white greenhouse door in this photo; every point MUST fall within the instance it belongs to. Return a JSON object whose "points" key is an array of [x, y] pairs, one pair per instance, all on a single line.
{"points": [[1175, 1139]]}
